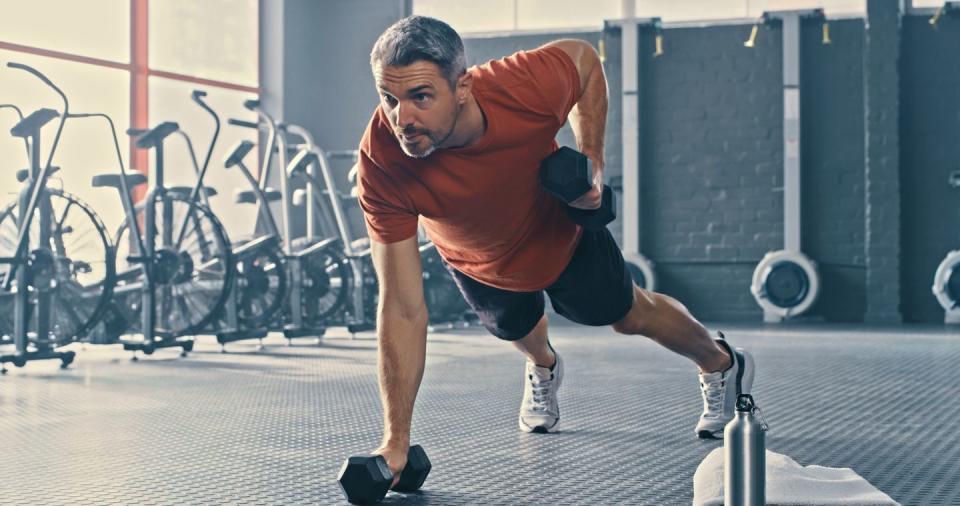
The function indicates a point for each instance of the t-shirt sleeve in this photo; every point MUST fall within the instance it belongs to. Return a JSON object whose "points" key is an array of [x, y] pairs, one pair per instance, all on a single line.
{"points": [[388, 214], [557, 79]]}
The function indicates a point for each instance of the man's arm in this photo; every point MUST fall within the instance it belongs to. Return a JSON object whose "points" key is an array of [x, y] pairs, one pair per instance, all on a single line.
{"points": [[402, 336], [588, 118]]}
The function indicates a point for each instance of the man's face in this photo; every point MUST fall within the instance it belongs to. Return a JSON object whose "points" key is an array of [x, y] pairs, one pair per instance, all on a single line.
{"points": [[420, 105]]}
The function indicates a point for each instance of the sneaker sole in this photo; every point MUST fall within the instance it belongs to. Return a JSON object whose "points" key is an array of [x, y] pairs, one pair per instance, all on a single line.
{"points": [[539, 429]]}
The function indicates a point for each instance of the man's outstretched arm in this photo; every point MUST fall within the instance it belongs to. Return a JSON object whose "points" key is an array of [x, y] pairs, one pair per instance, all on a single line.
{"points": [[402, 339]]}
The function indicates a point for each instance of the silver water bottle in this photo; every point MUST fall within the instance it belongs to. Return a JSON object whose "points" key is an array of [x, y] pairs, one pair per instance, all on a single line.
{"points": [[744, 462]]}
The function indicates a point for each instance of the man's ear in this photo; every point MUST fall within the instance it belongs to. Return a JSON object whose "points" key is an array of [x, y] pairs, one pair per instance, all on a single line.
{"points": [[464, 85]]}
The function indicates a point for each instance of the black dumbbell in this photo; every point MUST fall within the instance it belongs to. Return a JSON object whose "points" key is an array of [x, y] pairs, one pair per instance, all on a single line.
{"points": [[365, 479], [568, 174]]}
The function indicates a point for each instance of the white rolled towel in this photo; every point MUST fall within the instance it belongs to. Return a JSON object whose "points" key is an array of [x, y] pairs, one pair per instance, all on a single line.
{"points": [[789, 483]]}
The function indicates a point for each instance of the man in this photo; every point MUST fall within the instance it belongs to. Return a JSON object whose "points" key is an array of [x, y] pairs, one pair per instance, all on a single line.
{"points": [[460, 150]]}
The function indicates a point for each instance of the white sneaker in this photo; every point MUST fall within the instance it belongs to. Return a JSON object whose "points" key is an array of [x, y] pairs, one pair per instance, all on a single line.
{"points": [[539, 411], [720, 390]]}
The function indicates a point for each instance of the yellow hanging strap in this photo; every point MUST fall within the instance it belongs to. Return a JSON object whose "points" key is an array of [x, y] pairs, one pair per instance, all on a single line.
{"points": [[752, 41], [936, 17]]}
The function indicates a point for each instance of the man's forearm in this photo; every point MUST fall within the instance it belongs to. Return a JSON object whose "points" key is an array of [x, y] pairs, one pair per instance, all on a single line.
{"points": [[588, 117], [402, 352]]}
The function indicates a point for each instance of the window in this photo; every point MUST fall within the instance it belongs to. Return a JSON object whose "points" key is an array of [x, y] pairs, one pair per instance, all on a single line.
{"points": [[212, 39], [97, 28], [170, 100], [137, 61], [467, 16], [920, 4], [539, 15], [512, 15], [86, 146], [830, 7], [490, 16]]}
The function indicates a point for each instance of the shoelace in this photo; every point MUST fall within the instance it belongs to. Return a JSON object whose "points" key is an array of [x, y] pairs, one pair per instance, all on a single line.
{"points": [[713, 397], [541, 391]]}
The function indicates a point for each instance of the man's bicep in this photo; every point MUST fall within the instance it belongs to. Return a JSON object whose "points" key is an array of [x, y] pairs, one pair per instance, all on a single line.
{"points": [[400, 276]]}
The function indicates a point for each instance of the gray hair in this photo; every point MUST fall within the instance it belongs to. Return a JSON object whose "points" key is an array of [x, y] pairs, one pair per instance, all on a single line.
{"points": [[417, 38]]}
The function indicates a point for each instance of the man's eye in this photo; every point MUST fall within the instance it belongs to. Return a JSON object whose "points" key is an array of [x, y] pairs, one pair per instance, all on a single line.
{"points": [[422, 97]]}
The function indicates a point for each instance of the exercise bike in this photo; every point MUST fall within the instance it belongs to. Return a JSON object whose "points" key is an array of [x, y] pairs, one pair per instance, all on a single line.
{"points": [[56, 263], [316, 274], [175, 271], [260, 286]]}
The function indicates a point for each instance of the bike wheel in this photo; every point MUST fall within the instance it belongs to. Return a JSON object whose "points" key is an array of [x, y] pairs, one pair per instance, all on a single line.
{"points": [[326, 283], [77, 272], [261, 284], [193, 268]]}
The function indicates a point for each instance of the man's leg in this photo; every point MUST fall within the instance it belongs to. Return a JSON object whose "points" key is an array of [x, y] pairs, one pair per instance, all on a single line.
{"points": [[510, 316], [539, 409], [725, 372], [536, 345], [668, 322]]}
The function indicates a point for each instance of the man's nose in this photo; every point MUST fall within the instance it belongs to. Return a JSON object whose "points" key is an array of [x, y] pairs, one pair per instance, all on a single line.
{"points": [[404, 116]]}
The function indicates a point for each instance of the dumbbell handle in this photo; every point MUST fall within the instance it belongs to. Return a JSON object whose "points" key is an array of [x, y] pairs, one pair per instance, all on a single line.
{"points": [[410, 479], [404, 485], [568, 174]]}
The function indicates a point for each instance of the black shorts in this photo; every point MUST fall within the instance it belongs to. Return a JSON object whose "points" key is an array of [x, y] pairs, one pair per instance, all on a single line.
{"points": [[594, 289]]}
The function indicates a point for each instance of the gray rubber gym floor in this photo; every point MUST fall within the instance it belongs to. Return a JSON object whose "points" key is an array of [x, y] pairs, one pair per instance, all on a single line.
{"points": [[273, 426]]}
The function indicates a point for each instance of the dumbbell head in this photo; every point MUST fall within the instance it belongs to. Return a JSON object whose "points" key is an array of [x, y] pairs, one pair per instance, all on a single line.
{"points": [[566, 173], [365, 479], [416, 471]]}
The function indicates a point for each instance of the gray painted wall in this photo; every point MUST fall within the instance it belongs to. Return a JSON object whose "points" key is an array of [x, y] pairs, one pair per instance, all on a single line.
{"points": [[832, 111], [930, 149], [711, 145], [712, 165]]}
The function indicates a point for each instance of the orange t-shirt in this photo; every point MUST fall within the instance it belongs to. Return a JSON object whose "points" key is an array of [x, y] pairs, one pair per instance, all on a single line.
{"points": [[482, 205]]}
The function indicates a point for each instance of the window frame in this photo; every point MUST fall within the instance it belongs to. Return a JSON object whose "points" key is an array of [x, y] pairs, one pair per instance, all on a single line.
{"points": [[139, 72]]}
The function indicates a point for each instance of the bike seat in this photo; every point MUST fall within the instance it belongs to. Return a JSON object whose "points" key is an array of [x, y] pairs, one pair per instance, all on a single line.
{"points": [[113, 180], [250, 197], [239, 151], [23, 174], [255, 245], [34, 122], [300, 161], [155, 135], [185, 191]]}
